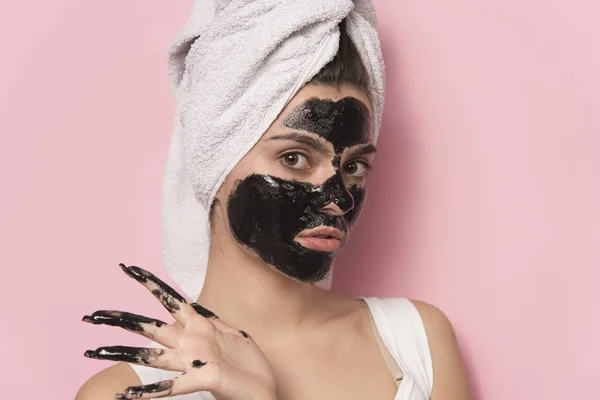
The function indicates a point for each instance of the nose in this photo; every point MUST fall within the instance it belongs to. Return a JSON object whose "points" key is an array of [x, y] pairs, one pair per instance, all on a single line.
{"points": [[338, 201], [332, 209]]}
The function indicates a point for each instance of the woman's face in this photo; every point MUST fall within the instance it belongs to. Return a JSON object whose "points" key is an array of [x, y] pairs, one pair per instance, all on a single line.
{"points": [[294, 197]]}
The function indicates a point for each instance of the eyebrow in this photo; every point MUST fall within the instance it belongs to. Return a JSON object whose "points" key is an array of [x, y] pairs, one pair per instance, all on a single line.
{"points": [[304, 139], [361, 151]]}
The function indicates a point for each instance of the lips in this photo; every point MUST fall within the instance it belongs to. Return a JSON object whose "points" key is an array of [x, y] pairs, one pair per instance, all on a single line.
{"points": [[321, 238]]}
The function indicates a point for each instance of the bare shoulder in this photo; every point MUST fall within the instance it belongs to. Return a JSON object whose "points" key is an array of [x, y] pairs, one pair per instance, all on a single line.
{"points": [[108, 382], [437, 324], [449, 375]]}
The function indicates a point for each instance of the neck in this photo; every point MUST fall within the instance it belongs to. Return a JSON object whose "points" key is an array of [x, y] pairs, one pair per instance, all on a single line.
{"points": [[251, 295]]}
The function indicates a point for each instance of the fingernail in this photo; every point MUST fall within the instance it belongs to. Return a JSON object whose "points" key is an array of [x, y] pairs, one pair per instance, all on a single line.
{"points": [[90, 354]]}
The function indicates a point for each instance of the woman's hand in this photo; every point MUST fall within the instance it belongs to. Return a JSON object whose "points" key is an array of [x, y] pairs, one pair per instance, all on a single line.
{"points": [[212, 355]]}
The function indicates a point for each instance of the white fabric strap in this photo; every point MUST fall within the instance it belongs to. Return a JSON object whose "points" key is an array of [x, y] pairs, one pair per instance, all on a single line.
{"points": [[402, 330]]}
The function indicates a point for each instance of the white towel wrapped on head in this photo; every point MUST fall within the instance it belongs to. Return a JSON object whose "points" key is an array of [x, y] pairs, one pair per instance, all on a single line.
{"points": [[233, 68]]}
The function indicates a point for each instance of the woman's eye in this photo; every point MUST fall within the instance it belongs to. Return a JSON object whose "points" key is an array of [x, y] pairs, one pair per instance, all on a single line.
{"points": [[295, 160], [356, 168]]}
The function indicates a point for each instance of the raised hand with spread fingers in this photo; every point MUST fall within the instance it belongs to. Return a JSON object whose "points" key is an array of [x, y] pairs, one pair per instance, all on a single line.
{"points": [[211, 355]]}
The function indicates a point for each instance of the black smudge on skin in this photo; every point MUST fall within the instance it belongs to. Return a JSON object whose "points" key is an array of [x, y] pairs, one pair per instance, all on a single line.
{"points": [[197, 364], [166, 299], [266, 212], [129, 321], [136, 355], [244, 334], [159, 387], [358, 194], [337, 159], [206, 313], [168, 296], [344, 123]]}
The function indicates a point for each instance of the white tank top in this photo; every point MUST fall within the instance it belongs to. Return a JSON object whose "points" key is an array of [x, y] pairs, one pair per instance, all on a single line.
{"points": [[401, 335]]}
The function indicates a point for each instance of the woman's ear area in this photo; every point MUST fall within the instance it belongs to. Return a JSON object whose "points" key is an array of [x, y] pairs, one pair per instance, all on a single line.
{"points": [[221, 197]]}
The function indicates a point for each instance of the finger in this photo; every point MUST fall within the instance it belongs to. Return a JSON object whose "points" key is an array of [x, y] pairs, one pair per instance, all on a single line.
{"points": [[152, 357], [153, 390], [151, 328], [169, 297], [205, 312], [182, 384], [217, 322]]}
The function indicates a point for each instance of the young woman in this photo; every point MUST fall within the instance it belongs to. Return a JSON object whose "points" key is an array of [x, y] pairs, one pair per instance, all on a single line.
{"points": [[260, 328]]}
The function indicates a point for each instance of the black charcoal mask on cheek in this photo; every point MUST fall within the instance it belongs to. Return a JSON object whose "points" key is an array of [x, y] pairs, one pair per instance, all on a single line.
{"points": [[266, 212]]}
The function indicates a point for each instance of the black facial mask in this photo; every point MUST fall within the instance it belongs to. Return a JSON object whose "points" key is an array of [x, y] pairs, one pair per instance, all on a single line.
{"points": [[266, 212]]}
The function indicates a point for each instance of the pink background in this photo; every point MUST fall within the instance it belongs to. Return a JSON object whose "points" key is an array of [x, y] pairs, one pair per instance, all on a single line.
{"points": [[484, 199]]}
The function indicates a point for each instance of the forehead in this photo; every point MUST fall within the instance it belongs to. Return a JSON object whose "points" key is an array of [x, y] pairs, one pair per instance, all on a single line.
{"points": [[326, 93], [340, 115]]}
